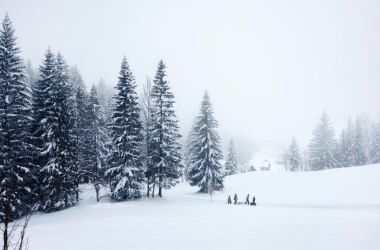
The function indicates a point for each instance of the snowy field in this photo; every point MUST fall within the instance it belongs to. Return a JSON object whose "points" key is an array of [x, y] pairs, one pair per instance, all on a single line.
{"points": [[333, 209]]}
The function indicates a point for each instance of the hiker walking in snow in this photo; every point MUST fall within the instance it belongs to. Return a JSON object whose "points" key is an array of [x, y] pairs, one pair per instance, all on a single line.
{"points": [[247, 200], [253, 201], [229, 200], [235, 199]]}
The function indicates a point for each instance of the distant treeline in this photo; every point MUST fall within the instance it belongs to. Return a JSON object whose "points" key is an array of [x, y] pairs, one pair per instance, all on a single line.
{"points": [[358, 144]]}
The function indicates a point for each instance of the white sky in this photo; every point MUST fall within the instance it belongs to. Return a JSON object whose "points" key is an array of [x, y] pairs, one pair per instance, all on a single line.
{"points": [[271, 67]]}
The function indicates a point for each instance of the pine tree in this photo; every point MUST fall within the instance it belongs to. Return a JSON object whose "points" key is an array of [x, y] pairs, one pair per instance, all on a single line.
{"points": [[15, 170], [343, 149], [358, 156], [375, 144], [284, 158], [51, 131], [31, 76], [190, 143], [347, 145], [294, 160], [205, 170], [165, 152], [322, 146], [66, 121], [105, 94], [96, 138], [146, 110], [231, 161], [81, 127], [124, 159]]}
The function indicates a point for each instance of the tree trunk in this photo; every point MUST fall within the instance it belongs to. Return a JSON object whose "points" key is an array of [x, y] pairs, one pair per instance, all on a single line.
{"points": [[160, 191], [5, 234], [147, 188], [6, 223], [77, 191], [154, 185], [159, 186]]}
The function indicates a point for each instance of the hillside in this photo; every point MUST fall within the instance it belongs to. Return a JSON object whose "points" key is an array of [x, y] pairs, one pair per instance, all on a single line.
{"points": [[295, 211]]}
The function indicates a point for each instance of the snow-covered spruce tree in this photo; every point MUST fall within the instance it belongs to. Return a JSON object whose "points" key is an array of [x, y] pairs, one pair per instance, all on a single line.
{"points": [[347, 145], [284, 158], [189, 147], [15, 170], [52, 127], [322, 146], [66, 127], [294, 158], [374, 154], [146, 111], [165, 152], [358, 156], [343, 149], [231, 161], [31, 75], [96, 138], [124, 160], [205, 168], [78, 105], [105, 93], [81, 127]]}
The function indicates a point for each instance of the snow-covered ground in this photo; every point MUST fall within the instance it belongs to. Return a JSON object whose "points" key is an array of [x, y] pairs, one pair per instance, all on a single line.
{"points": [[333, 209]]}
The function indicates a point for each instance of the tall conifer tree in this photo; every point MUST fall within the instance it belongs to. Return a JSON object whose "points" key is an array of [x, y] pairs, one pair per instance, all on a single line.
{"points": [[52, 128], [125, 161], [322, 146], [96, 138], [205, 168], [231, 165], [78, 105], [165, 151], [374, 154], [358, 155], [15, 170], [294, 158]]}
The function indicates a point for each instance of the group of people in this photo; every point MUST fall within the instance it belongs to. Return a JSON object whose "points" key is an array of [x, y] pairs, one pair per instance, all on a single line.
{"points": [[253, 203]]}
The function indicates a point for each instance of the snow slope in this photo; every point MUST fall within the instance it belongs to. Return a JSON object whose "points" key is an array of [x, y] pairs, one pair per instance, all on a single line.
{"points": [[333, 209]]}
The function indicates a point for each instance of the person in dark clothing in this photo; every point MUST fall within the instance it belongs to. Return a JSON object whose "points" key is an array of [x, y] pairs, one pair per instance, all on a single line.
{"points": [[229, 200], [235, 199], [253, 201], [247, 200]]}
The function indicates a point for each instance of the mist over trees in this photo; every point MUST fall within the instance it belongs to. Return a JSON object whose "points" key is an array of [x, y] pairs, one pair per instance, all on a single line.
{"points": [[294, 157], [358, 144], [56, 135]]}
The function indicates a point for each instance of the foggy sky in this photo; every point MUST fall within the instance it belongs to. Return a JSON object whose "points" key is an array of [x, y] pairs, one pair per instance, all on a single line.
{"points": [[270, 67]]}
